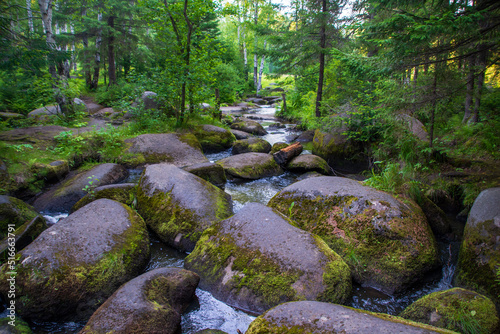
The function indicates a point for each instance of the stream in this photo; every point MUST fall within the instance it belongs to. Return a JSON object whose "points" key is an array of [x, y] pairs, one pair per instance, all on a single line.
{"points": [[208, 312]]}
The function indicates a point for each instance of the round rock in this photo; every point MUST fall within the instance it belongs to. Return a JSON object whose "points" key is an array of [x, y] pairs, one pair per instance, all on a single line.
{"points": [[79, 262], [213, 138], [251, 145], [150, 303], [250, 166], [256, 260], [249, 126], [386, 242], [309, 163]]}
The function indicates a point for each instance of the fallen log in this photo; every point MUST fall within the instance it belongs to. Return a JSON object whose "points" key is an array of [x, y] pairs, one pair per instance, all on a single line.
{"points": [[283, 156]]}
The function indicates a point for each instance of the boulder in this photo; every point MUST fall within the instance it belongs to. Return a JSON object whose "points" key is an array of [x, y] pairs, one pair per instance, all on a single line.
{"points": [[150, 100], [210, 172], [251, 145], [65, 194], [178, 149], [317, 317], [19, 225], [124, 193], [479, 257], [53, 171], [213, 138], [93, 107], [79, 262], [6, 116], [249, 126], [241, 134], [150, 303], [339, 151], [414, 126], [178, 206], [386, 242], [438, 220], [80, 105], [250, 166], [256, 260], [456, 309], [306, 136], [47, 110], [42, 135], [278, 146], [309, 163]]}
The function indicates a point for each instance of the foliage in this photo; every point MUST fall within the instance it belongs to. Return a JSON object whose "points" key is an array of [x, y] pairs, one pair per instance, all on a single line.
{"points": [[90, 187]]}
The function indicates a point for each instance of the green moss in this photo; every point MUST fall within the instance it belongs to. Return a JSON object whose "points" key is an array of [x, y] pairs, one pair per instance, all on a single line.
{"points": [[16, 212], [21, 327], [456, 309], [385, 257], [214, 140], [119, 194], [255, 171], [479, 260]]}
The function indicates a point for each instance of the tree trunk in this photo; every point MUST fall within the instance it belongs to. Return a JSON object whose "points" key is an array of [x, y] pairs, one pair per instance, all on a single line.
{"points": [[283, 109], [481, 65], [470, 89], [111, 51], [255, 61], [283, 156], [261, 69], [322, 34], [30, 16], [433, 109], [97, 59], [415, 81], [217, 104]]}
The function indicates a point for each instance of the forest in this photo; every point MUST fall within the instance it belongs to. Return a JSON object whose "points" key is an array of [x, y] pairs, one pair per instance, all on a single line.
{"points": [[401, 95]]}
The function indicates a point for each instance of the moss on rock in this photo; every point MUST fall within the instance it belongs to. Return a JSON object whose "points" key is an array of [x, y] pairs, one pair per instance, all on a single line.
{"points": [[250, 166], [251, 145], [456, 309], [387, 243], [124, 193], [213, 138]]}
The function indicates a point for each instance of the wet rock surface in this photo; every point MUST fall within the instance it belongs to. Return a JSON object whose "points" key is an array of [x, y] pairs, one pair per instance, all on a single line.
{"points": [[251, 145], [387, 243], [150, 303], [257, 259], [74, 265], [250, 166]]}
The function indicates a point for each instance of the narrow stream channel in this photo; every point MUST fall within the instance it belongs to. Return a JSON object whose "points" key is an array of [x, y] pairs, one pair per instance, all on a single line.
{"points": [[208, 312]]}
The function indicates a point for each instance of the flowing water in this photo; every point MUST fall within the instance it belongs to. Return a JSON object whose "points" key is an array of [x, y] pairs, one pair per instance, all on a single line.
{"points": [[208, 312]]}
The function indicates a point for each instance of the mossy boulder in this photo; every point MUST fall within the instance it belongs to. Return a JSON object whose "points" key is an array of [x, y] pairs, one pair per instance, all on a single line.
{"points": [[210, 172], [65, 194], [250, 166], [124, 193], [456, 309], [53, 171], [241, 134], [327, 318], [213, 138], [256, 260], [14, 326], [340, 152], [386, 242], [76, 264], [479, 257], [251, 145], [150, 303], [249, 126], [309, 163], [20, 224], [438, 220], [47, 110], [178, 206], [278, 146], [175, 148]]}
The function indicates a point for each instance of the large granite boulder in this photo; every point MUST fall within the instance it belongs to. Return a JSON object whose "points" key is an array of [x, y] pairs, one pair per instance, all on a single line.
{"points": [[339, 151], [251, 145], [317, 317], [178, 206], [76, 264], [124, 193], [456, 309], [150, 100], [256, 260], [19, 225], [386, 242], [213, 138], [309, 163], [47, 110], [241, 134], [479, 257], [250, 166], [414, 126], [150, 303], [64, 195], [177, 149], [210, 172], [249, 126]]}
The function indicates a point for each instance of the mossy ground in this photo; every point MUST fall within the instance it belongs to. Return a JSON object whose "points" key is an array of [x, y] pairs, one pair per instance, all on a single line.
{"points": [[381, 257]]}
